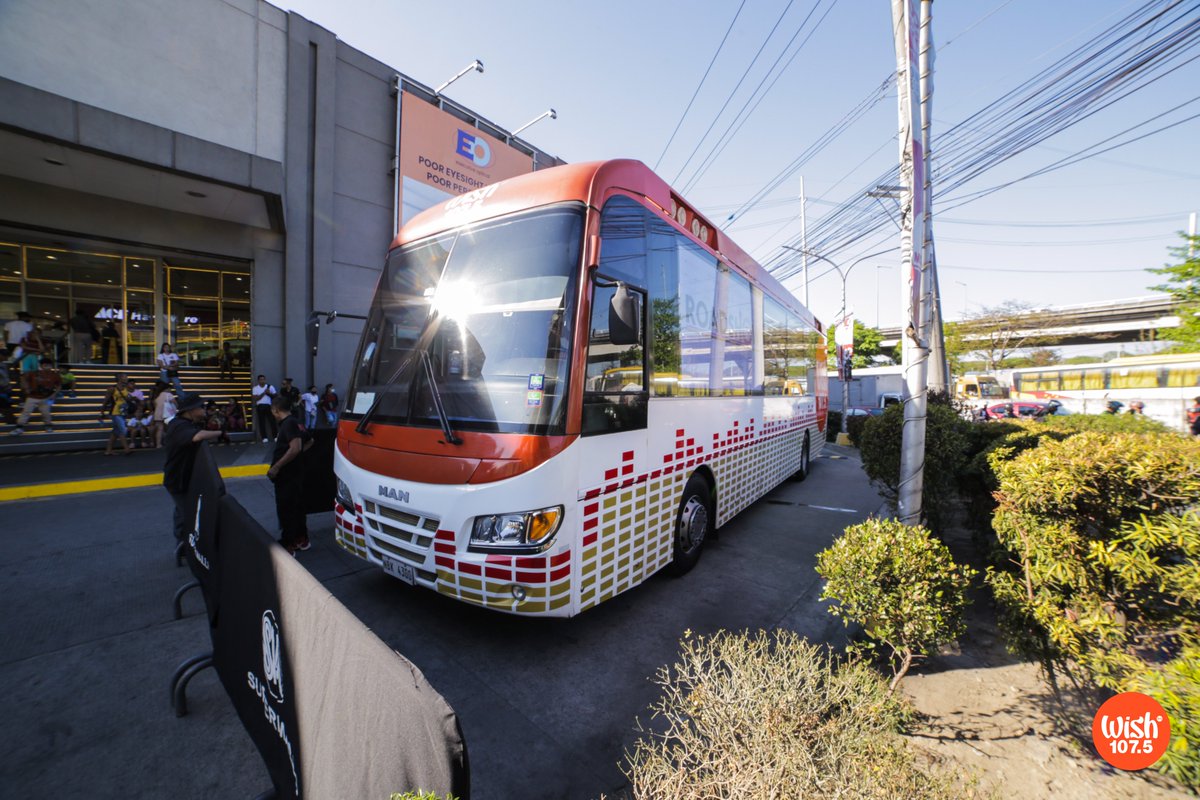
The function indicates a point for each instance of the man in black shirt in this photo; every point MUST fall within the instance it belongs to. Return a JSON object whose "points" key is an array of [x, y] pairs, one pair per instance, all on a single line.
{"points": [[290, 392], [183, 436], [287, 473]]}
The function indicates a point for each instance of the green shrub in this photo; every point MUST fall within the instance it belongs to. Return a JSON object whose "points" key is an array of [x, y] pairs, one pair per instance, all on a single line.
{"points": [[1105, 423], [900, 584], [833, 424], [769, 715], [1104, 551], [854, 428], [947, 437], [1176, 686]]}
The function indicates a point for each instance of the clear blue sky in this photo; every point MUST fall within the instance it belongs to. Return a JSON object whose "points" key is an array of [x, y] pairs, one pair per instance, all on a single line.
{"points": [[620, 74]]}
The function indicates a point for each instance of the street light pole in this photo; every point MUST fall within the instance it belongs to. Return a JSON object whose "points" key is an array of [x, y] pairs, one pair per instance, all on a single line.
{"points": [[841, 314]]}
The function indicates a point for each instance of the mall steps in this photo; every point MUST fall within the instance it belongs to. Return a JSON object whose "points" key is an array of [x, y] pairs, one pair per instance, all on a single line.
{"points": [[77, 424]]}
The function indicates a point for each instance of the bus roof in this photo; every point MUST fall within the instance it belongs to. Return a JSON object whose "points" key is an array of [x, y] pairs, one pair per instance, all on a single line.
{"points": [[590, 183]]}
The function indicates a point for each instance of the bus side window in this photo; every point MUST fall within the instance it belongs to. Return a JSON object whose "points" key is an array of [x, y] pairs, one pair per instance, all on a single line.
{"points": [[614, 396]]}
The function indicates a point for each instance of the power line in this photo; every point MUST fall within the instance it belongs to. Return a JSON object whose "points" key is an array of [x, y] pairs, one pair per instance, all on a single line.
{"points": [[1131, 54], [733, 91], [712, 61], [1097, 223]]}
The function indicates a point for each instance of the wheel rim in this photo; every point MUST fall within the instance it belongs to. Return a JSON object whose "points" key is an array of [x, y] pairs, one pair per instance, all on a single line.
{"points": [[693, 523]]}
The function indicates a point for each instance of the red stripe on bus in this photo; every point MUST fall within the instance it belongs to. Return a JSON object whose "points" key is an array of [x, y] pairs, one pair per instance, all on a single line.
{"points": [[561, 572], [442, 547], [498, 573], [442, 561]]}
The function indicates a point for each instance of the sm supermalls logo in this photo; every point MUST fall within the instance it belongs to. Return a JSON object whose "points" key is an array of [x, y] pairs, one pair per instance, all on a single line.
{"points": [[474, 148]]}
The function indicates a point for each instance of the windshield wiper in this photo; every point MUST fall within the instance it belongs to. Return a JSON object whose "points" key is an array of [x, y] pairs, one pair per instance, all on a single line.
{"points": [[436, 393]]}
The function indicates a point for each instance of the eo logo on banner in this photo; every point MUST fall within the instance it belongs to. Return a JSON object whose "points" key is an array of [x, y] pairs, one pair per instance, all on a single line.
{"points": [[473, 148], [1131, 731]]}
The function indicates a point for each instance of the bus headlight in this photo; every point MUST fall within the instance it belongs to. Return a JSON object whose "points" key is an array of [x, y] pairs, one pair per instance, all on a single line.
{"points": [[526, 532], [343, 495]]}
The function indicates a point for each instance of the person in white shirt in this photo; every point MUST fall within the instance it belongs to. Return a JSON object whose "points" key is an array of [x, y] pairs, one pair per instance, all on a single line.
{"points": [[16, 330], [310, 400], [264, 393], [168, 367]]}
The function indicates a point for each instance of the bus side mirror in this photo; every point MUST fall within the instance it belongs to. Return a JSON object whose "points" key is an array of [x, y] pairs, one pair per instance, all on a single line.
{"points": [[624, 317]]}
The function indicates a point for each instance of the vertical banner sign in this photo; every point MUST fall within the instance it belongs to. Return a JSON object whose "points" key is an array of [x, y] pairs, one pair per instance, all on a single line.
{"points": [[845, 344], [442, 156], [906, 25]]}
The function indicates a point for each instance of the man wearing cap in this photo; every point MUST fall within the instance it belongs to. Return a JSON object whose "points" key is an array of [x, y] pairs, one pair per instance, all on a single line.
{"points": [[16, 330], [40, 388], [183, 436]]}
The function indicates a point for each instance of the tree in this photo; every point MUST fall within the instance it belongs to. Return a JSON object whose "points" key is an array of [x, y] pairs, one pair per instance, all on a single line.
{"points": [[1183, 284], [995, 333], [867, 344]]}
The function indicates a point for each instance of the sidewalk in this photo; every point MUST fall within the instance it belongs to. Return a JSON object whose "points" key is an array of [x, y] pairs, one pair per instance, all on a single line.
{"points": [[51, 474]]}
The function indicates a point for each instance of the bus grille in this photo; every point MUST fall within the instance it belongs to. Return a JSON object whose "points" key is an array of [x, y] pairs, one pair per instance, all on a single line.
{"points": [[399, 533]]}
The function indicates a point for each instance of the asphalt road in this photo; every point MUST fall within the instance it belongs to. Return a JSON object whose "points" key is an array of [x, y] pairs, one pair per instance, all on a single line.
{"points": [[548, 707]]}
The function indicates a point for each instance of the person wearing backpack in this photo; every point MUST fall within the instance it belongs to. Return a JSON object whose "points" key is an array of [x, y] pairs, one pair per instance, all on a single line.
{"points": [[116, 400]]}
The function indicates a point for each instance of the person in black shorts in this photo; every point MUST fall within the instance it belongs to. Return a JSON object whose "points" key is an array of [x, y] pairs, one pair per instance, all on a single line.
{"points": [[287, 473], [183, 436]]}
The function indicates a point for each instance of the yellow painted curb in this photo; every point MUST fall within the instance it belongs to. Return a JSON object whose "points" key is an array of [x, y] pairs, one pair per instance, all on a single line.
{"points": [[108, 484]]}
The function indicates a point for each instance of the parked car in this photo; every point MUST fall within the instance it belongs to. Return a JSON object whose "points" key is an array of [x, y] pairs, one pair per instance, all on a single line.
{"points": [[864, 411], [1024, 409]]}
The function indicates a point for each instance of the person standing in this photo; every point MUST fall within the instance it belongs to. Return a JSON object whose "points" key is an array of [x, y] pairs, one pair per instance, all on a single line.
{"points": [[168, 367], [116, 403], [225, 362], [290, 392], [31, 349], [83, 336], [40, 389], [14, 331], [164, 411], [183, 437], [1194, 417], [287, 473], [110, 341], [329, 405], [310, 400], [55, 338], [263, 393]]}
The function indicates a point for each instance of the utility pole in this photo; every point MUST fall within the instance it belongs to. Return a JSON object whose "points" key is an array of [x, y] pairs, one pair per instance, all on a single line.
{"points": [[939, 368], [915, 323]]}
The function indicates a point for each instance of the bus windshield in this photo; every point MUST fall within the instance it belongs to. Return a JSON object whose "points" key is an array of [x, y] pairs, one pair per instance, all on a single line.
{"points": [[491, 305]]}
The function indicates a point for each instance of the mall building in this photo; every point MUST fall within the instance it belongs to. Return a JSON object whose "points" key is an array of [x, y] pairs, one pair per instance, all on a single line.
{"points": [[211, 171]]}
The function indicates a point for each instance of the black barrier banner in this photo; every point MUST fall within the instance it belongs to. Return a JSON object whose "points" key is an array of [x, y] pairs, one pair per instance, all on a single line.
{"points": [[250, 650], [204, 505], [320, 484], [370, 722], [307, 678]]}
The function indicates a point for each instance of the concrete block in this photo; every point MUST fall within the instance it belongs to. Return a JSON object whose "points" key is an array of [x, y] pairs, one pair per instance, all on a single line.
{"points": [[212, 160], [30, 109]]}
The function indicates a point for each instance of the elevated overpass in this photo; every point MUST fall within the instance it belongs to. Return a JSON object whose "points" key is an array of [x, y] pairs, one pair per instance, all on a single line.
{"points": [[1136, 319]]}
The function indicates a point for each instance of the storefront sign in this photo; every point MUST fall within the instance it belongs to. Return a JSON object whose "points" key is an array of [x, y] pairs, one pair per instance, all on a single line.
{"points": [[441, 156]]}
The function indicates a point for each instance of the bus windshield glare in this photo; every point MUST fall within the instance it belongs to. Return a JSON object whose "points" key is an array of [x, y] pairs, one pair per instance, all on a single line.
{"points": [[491, 307]]}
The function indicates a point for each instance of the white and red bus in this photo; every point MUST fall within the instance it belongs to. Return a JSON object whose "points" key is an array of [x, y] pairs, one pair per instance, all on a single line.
{"points": [[566, 382]]}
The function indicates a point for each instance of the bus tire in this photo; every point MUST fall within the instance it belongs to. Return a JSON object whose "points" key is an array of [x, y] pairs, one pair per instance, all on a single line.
{"points": [[693, 525], [802, 472]]}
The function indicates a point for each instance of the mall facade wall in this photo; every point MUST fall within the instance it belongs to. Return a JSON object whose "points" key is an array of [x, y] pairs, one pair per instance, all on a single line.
{"points": [[202, 171]]}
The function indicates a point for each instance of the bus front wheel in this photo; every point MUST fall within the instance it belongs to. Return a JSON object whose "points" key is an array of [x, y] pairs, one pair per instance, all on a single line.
{"points": [[693, 524]]}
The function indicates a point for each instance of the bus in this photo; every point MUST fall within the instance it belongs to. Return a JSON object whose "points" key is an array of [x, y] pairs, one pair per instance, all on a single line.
{"points": [[976, 387], [566, 382], [1167, 384]]}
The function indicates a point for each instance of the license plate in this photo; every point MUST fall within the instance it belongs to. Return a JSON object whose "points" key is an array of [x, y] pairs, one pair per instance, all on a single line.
{"points": [[398, 569]]}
